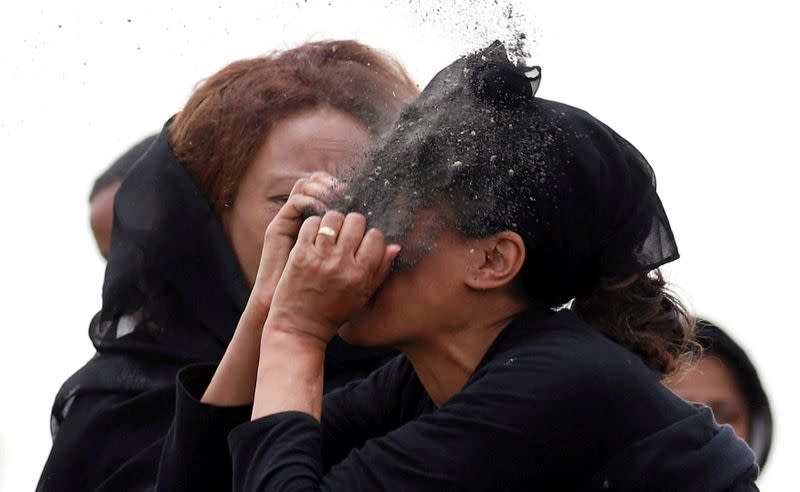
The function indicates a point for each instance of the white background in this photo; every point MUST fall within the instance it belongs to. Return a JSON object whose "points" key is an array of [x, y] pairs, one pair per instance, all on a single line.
{"points": [[706, 90]]}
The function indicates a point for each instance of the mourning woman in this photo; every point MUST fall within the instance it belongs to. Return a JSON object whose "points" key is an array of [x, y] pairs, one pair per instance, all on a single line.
{"points": [[482, 213], [725, 379], [191, 240]]}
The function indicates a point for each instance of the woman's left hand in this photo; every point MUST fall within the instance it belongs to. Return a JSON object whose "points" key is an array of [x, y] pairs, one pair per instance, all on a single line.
{"points": [[333, 270]]}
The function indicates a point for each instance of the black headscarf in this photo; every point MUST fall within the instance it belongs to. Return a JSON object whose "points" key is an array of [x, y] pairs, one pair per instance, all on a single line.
{"points": [[120, 167], [173, 290], [583, 198], [716, 342]]}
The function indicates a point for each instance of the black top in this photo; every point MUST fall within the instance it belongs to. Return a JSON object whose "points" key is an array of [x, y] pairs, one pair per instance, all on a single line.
{"points": [[716, 342], [172, 296], [554, 405]]}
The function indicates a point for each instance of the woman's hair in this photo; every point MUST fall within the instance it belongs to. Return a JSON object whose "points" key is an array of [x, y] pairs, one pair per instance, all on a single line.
{"points": [[486, 155], [228, 117], [640, 313]]}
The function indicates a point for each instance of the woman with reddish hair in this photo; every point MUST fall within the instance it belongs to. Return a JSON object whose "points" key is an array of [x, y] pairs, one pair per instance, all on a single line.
{"points": [[494, 208], [228, 177]]}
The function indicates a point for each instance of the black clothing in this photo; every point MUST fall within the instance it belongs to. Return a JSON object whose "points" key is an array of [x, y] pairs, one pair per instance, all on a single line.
{"points": [[716, 342], [553, 405], [173, 295], [120, 167], [580, 196]]}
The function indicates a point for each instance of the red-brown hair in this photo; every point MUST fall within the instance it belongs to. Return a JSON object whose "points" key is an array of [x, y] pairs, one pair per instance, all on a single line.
{"points": [[226, 120]]}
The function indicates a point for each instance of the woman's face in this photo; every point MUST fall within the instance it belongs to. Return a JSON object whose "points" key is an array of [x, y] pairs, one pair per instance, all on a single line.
{"points": [[320, 139], [410, 303], [713, 384]]}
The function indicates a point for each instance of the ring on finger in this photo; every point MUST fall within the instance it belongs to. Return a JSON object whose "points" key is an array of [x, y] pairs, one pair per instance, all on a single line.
{"points": [[327, 231]]}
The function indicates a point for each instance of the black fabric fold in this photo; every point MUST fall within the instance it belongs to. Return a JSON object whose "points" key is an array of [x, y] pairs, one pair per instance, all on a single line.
{"points": [[553, 405], [195, 455], [173, 295]]}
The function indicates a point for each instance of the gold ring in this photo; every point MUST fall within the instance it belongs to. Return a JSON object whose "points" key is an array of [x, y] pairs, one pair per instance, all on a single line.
{"points": [[327, 231]]}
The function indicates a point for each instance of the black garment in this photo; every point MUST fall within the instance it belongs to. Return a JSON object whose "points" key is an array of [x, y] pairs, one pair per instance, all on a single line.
{"points": [[716, 342], [553, 405], [120, 167], [173, 295]]}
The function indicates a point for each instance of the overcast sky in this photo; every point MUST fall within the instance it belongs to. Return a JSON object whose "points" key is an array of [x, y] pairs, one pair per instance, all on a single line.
{"points": [[706, 90]]}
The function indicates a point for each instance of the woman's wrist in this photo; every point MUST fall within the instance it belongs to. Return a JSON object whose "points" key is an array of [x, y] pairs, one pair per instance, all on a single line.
{"points": [[314, 334], [290, 372]]}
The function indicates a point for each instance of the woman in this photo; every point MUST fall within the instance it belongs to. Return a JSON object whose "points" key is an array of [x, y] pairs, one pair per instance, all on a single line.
{"points": [[188, 236], [726, 381], [494, 208]]}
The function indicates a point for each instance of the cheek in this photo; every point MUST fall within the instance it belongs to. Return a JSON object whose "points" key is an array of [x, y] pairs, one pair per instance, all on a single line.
{"points": [[386, 321], [245, 225], [254, 220]]}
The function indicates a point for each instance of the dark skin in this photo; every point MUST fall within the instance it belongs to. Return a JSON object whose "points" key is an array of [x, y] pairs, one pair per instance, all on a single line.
{"points": [[458, 298], [712, 383], [101, 216], [263, 221]]}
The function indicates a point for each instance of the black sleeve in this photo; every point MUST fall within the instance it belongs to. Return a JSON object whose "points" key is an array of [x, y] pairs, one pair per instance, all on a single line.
{"points": [[109, 441], [548, 418], [195, 453], [476, 441]]}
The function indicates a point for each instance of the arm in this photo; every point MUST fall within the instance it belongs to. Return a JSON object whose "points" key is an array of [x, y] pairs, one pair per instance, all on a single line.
{"points": [[327, 280], [195, 454], [234, 380], [211, 399], [474, 442]]}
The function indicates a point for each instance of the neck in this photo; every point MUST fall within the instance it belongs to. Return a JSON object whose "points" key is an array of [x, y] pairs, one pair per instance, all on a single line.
{"points": [[445, 361]]}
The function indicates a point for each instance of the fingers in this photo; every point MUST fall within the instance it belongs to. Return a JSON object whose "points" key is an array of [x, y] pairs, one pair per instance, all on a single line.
{"points": [[319, 185], [318, 182], [337, 237], [306, 195], [370, 252], [376, 256], [308, 231], [328, 231], [352, 232]]}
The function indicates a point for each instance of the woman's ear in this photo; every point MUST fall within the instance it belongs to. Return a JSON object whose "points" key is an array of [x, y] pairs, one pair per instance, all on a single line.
{"points": [[495, 261]]}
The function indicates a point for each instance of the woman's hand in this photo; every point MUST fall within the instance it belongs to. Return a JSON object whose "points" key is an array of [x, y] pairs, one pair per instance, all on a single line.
{"points": [[281, 233], [235, 379], [333, 270]]}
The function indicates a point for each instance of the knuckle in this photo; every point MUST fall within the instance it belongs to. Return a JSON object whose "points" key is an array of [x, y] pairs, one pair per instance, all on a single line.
{"points": [[357, 275], [335, 215], [320, 176], [356, 217], [298, 185]]}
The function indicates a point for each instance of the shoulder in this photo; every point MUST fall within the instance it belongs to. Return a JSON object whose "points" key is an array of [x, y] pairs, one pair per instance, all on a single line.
{"points": [[565, 349], [560, 368]]}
